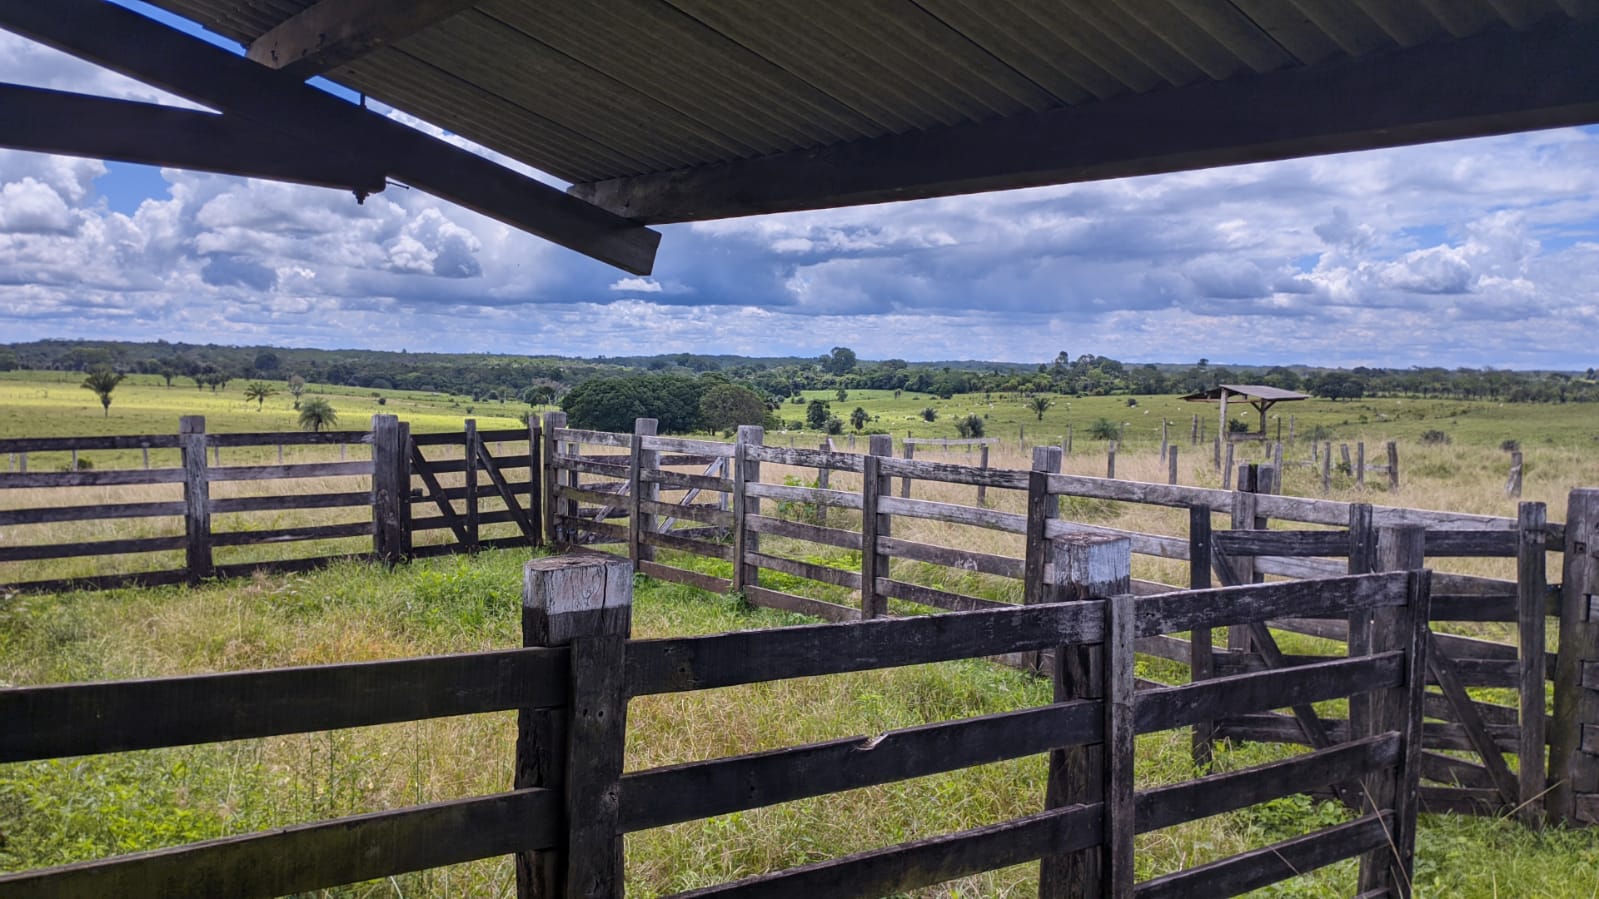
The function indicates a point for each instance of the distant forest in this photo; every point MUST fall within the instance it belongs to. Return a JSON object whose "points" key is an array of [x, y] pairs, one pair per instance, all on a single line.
{"points": [[546, 379]]}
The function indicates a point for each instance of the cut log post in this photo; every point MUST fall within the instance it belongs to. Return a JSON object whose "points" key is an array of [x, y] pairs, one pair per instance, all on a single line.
{"points": [[1193, 433], [1574, 734], [1086, 567], [1513, 482], [1362, 560], [471, 442], [1110, 461], [905, 483], [1066, 447], [1360, 465], [874, 524], [1227, 469], [554, 531], [391, 489], [1393, 466], [196, 498], [1343, 457], [1171, 466], [1041, 507], [1201, 658], [1290, 429], [535, 472], [1164, 441], [585, 602], [982, 463], [823, 478], [1326, 468]]}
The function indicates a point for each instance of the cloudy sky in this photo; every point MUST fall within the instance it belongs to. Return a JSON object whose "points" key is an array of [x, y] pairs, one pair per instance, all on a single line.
{"points": [[1472, 253]]}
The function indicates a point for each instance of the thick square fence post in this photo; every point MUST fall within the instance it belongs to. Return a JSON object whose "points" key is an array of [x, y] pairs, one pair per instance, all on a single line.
{"points": [[535, 476], [745, 541], [584, 601], [1531, 585], [1086, 567], [640, 491], [1574, 735], [391, 488], [471, 442], [554, 533], [1201, 648], [196, 498]]}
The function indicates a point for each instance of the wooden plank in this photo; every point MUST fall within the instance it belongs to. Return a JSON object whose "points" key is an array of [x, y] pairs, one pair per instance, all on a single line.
{"points": [[596, 744], [1466, 607], [1010, 522], [596, 438], [54, 444], [803, 605], [289, 438], [780, 527], [950, 473], [1329, 598], [804, 458], [589, 466], [1447, 769], [684, 544], [683, 481], [111, 478], [586, 494], [100, 582], [704, 582], [329, 34], [471, 511], [453, 494], [1461, 801], [424, 470], [1444, 544], [1202, 660], [908, 866], [721, 660], [1170, 495], [875, 525], [1119, 754], [309, 857], [277, 502], [291, 535], [1283, 543], [587, 530], [1144, 544], [691, 447], [1442, 669], [439, 523], [1278, 862], [507, 494], [283, 472], [196, 498], [1531, 586], [938, 599], [706, 513], [669, 795], [118, 716], [56, 514], [1242, 694], [838, 498], [823, 573], [968, 560]]}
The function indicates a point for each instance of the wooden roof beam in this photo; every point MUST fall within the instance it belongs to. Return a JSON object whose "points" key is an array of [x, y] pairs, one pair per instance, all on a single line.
{"points": [[328, 34], [1494, 83], [127, 42], [47, 121]]}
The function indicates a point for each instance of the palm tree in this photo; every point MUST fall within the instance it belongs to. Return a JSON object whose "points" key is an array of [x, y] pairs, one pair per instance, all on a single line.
{"points": [[259, 391], [317, 414], [102, 381], [1040, 404], [296, 387]]}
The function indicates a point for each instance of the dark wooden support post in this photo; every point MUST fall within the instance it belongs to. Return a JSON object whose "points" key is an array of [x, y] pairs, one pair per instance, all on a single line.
{"points": [[1201, 658], [1066, 446], [1393, 466], [1513, 482], [471, 443], [982, 463], [1532, 522], [639, 490], [1041, 506], [1398, 709], [1574, 737], [1326, 468], [1110, 461], [196, 498], [1171, 465], [874, 524], [745, 541], [1244, 519], [1360, 465], [535, 473], [1086, 567], [583, 601], [550, 505], [1362, 560], [1120, 757], [391, 488], [823, 481], [1227, 469]]}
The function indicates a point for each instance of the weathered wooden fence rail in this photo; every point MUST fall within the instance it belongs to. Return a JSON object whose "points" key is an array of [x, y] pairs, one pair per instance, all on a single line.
{"points": [[570, 804]]}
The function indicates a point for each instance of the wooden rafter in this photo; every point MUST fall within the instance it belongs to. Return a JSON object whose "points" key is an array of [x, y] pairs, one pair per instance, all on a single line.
{"points": [[48, 121], [127, 42], [1494, 83], [330, 33]]}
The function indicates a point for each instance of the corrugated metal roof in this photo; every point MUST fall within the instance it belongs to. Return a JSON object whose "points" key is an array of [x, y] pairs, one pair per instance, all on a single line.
{"points": [[596, 90], [1246, 391]]}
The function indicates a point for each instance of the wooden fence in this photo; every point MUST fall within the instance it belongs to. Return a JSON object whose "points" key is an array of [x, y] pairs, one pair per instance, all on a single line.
{"points": [[848, 553], [468, 488], [571, 804]]}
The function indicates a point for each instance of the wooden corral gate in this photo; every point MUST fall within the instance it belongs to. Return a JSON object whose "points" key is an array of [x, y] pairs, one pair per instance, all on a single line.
{"points": [[570, 804], [485, 479]]}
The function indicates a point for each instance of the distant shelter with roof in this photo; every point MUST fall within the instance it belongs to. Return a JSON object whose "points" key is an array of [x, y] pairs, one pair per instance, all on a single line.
{"points": [[1258, 395]]}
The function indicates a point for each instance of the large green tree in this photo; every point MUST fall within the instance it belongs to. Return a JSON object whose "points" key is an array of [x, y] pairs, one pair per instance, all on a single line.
{"points": [[260, 391], [611, 404], [102, 381], [727, 406]]}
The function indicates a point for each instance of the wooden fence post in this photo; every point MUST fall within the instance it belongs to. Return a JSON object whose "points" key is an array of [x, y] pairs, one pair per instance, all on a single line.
{"points": [[583, 601], [905, 484], [1574, 736], [535, 474], [1165, 442], [1245, 519], [1326, 468], [1362, 560], [639, 521], [1532, 521], [1120, 755], [1171, 465], [982, 463], [745, 541], [1201, 658], [874, 485], [823, 479], [1110, 461], [391, 488], [1086, 566], [1041, 506], [196, 498], [1513, 482], [1360, 465], [1393, 466], [1398, 709], [471, 442], [554, 533], [1227, 469], [1066, 448]]}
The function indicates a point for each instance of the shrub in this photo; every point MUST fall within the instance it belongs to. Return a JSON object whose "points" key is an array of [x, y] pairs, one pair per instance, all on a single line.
{"points": [[1510, 446], [1235, 426], [929, 414], [970, 426], [1435, 437], [1104, 429]]}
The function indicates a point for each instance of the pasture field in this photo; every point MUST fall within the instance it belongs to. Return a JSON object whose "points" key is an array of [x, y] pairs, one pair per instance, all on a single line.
{"points": [[70, 809]]}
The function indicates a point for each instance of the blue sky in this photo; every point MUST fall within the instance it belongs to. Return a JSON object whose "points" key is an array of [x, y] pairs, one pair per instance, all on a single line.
{"points": [[1472, 253]]}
